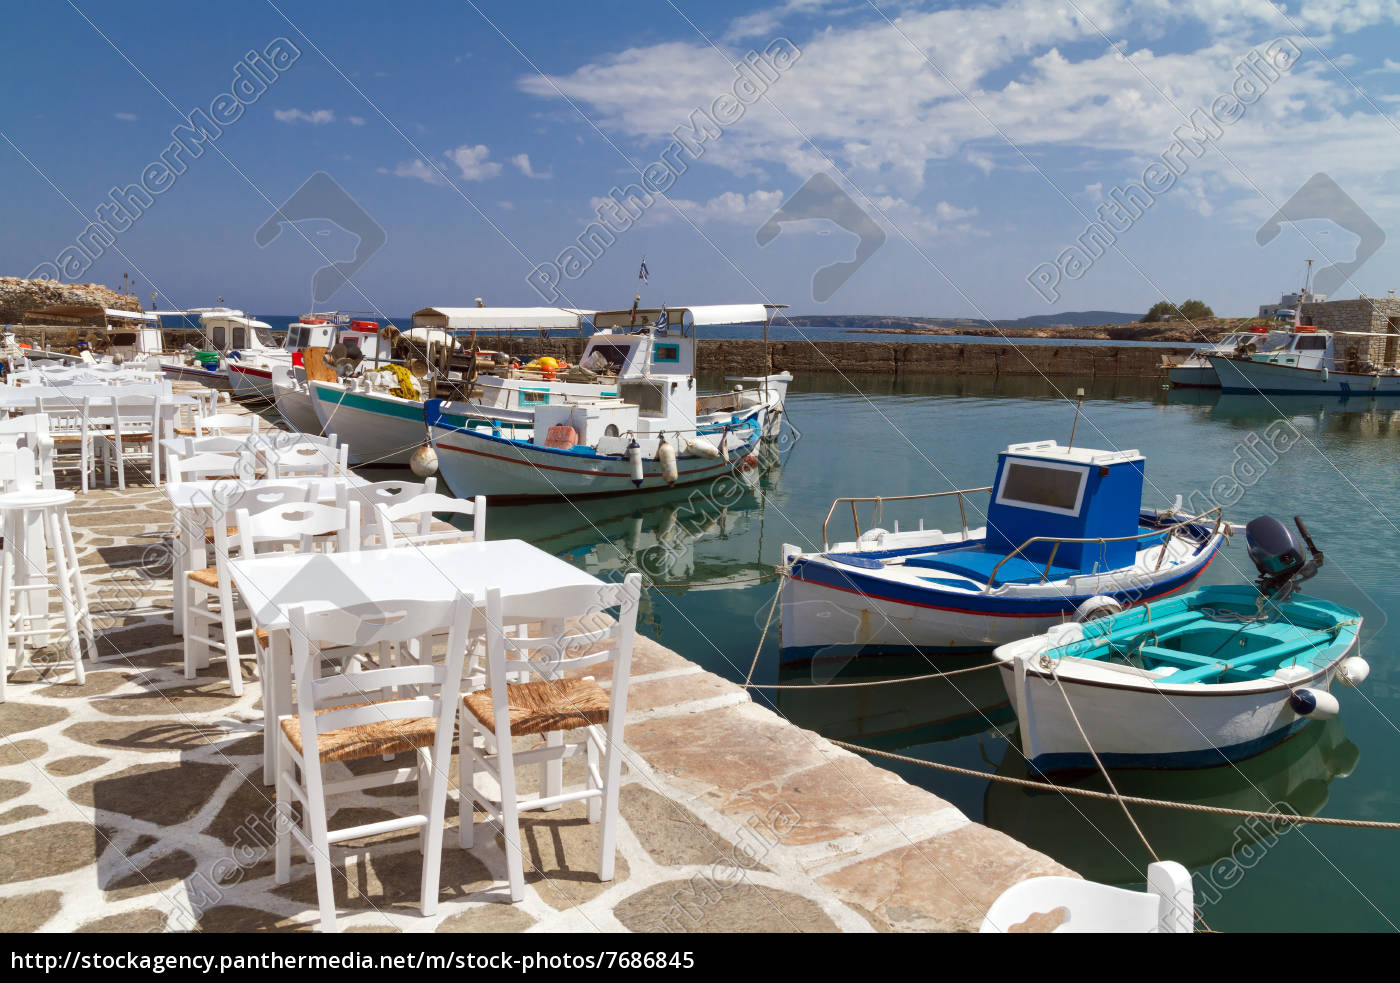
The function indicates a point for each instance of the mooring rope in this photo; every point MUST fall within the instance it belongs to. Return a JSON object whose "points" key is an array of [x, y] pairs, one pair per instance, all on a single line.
{"points": [[1131, 799], [872, 682]]}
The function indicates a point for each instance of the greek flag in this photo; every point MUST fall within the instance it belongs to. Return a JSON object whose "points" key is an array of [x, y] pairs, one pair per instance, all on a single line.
{"points": [[660, 326], [642, 274]]}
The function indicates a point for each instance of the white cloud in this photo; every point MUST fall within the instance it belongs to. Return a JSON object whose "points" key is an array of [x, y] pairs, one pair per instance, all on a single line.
{"points": [[316, 117], [951, 213], [127, 117], [356, 120], [419, 170], [506, 206], [977, 85], [522, 162], [472, 162]]}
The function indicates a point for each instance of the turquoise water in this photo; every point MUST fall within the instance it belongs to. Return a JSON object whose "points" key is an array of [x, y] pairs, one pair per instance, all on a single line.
{"points": [[712, 555]]}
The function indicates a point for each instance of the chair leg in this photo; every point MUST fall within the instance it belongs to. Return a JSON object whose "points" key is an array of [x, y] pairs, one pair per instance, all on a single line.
{"points": [[595, 804], [7, 573], [510, 817], [552, 772], [612, 777], [283, 832], [432, 850], [319, 829], [232, 655], [466, 780], [79, 589], [65, 594]]}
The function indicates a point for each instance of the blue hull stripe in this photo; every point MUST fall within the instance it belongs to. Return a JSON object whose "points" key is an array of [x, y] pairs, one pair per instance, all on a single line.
{"points": [[855, 582], [1205, 758]]}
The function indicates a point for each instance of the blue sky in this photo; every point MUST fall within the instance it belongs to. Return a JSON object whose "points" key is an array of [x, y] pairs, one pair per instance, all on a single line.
{"points": [[980, 139]]}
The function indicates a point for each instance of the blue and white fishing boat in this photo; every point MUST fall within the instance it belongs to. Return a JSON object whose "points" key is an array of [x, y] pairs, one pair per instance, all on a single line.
{"points": [[657, 431], [1066, 537], [1198, 680]]}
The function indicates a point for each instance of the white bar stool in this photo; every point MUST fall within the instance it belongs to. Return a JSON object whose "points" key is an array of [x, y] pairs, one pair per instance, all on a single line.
{"points": [[24, 565]]}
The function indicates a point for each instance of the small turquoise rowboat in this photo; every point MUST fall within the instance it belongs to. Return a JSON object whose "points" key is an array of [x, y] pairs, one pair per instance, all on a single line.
{"points": [[1207, 677]]}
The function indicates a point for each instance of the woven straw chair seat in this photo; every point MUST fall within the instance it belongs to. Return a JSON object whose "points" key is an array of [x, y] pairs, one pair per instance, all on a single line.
{"points": [[262, 638], [66, 438], [366, 740], [185, 432], [209, 576], [542, 706]]}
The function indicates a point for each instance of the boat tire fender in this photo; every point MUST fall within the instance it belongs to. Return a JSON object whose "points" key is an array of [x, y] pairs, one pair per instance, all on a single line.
{"points": [[1098, 606]]}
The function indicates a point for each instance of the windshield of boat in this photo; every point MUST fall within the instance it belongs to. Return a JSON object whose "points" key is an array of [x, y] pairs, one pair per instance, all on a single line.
{"points": [[1310, 343]]}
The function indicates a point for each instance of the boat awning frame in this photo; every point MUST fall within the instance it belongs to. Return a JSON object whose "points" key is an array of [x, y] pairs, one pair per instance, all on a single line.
{"points": [[499, 320]]}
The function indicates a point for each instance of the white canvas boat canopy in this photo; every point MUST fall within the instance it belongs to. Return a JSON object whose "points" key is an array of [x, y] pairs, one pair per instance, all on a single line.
{"points": [[728, 313], [128, 315], [499, 320]]}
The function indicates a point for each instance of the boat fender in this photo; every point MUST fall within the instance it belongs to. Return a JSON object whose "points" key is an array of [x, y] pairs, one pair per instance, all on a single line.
{"points": [[666, 457], [236, 355], [872, 535], [1098, 606], [634, 456], [700, 447], [1353, 671], [1324, 373], [424, 461], [1315, 704]]}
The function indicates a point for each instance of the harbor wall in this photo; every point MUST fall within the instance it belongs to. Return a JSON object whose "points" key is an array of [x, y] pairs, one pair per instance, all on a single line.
{"points": [[755, 357]]}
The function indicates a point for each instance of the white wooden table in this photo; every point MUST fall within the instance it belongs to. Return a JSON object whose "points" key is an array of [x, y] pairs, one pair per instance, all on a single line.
{"points": [[272, 585], [195, 505]]}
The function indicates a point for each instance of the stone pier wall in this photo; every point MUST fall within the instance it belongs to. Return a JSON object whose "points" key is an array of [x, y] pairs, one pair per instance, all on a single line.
{"points": [[746, 357]]}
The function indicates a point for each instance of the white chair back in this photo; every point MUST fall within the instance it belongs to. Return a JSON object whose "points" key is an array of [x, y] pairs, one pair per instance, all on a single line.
{"points": [[296, 528], [410, 522], [17, 471], [198, 467], [226, 424], [308, 459], [1167, 906]]}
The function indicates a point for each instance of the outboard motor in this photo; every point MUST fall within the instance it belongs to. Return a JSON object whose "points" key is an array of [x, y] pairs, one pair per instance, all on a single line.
{"points": [[1278, 558]]}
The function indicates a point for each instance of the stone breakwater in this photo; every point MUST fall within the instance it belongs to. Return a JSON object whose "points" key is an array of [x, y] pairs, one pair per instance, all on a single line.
{"points": [[746, 357], [18, 295]]}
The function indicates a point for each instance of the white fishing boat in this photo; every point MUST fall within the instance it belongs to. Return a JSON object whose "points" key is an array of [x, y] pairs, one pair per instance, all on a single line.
{"points": [[1197, 372], [230, 335], [377, 409], [1198, 680], [656, 432], [1318, 363], [1065, 537], [122, 337]]}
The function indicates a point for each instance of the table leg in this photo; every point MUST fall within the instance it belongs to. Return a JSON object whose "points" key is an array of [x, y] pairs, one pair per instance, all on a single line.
{"points": [[277, 697]]}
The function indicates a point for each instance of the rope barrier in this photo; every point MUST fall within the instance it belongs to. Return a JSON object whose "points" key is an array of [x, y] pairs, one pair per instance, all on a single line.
{"points": [[1131, 799]]}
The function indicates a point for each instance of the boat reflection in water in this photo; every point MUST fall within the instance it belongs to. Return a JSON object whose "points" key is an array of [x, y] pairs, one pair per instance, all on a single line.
{"points": [[695, 538], [1092, 836], [902, 713]]}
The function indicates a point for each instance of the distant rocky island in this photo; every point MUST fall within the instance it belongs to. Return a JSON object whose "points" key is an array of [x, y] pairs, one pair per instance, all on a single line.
{"points": [[1090, 325]]}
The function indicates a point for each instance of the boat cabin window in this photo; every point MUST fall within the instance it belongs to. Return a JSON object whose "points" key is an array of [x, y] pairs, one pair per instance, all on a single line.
{"points": [[649, 397], [264, 336], [218, 336], [298, 337], [1310, 343], [122, 339], [239, 337], [1042, 486], [534, 397], [615, 354], [666, 353]]}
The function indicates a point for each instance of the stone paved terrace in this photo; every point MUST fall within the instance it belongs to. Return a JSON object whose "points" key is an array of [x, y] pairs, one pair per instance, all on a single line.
{"points": [[135, 803]]}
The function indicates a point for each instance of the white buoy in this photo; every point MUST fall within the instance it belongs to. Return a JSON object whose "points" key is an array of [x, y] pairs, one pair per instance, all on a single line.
{"points": [[1315, 704], [700, 447], [666, 457], [1353, 671], [424, 461], [634, 456]]}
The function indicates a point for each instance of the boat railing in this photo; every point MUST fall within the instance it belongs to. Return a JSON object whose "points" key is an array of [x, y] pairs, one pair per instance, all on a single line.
{"points": [[1170, 532], [880, 501]]}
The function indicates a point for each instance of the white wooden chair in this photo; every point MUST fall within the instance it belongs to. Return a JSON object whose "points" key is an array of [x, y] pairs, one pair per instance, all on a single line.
{"points": [[307, 458], [225, 424], [265, 522], [72, 427], [550, 705], [201, 467], [410, 522], [341, 717], [32, 431], [132, 436], [1168, 904], [373, 495]]}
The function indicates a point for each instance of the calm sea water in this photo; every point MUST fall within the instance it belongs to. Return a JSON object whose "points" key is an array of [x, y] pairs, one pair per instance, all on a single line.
{"points": [[714, 553]]}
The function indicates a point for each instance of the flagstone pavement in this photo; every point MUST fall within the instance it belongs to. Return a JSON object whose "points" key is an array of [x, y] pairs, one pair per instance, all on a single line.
{"points": [[135, 803]]}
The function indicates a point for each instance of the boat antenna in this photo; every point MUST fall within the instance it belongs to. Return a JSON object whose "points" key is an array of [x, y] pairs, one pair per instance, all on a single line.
{"points": [[642, 277], [1078, 405]]}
